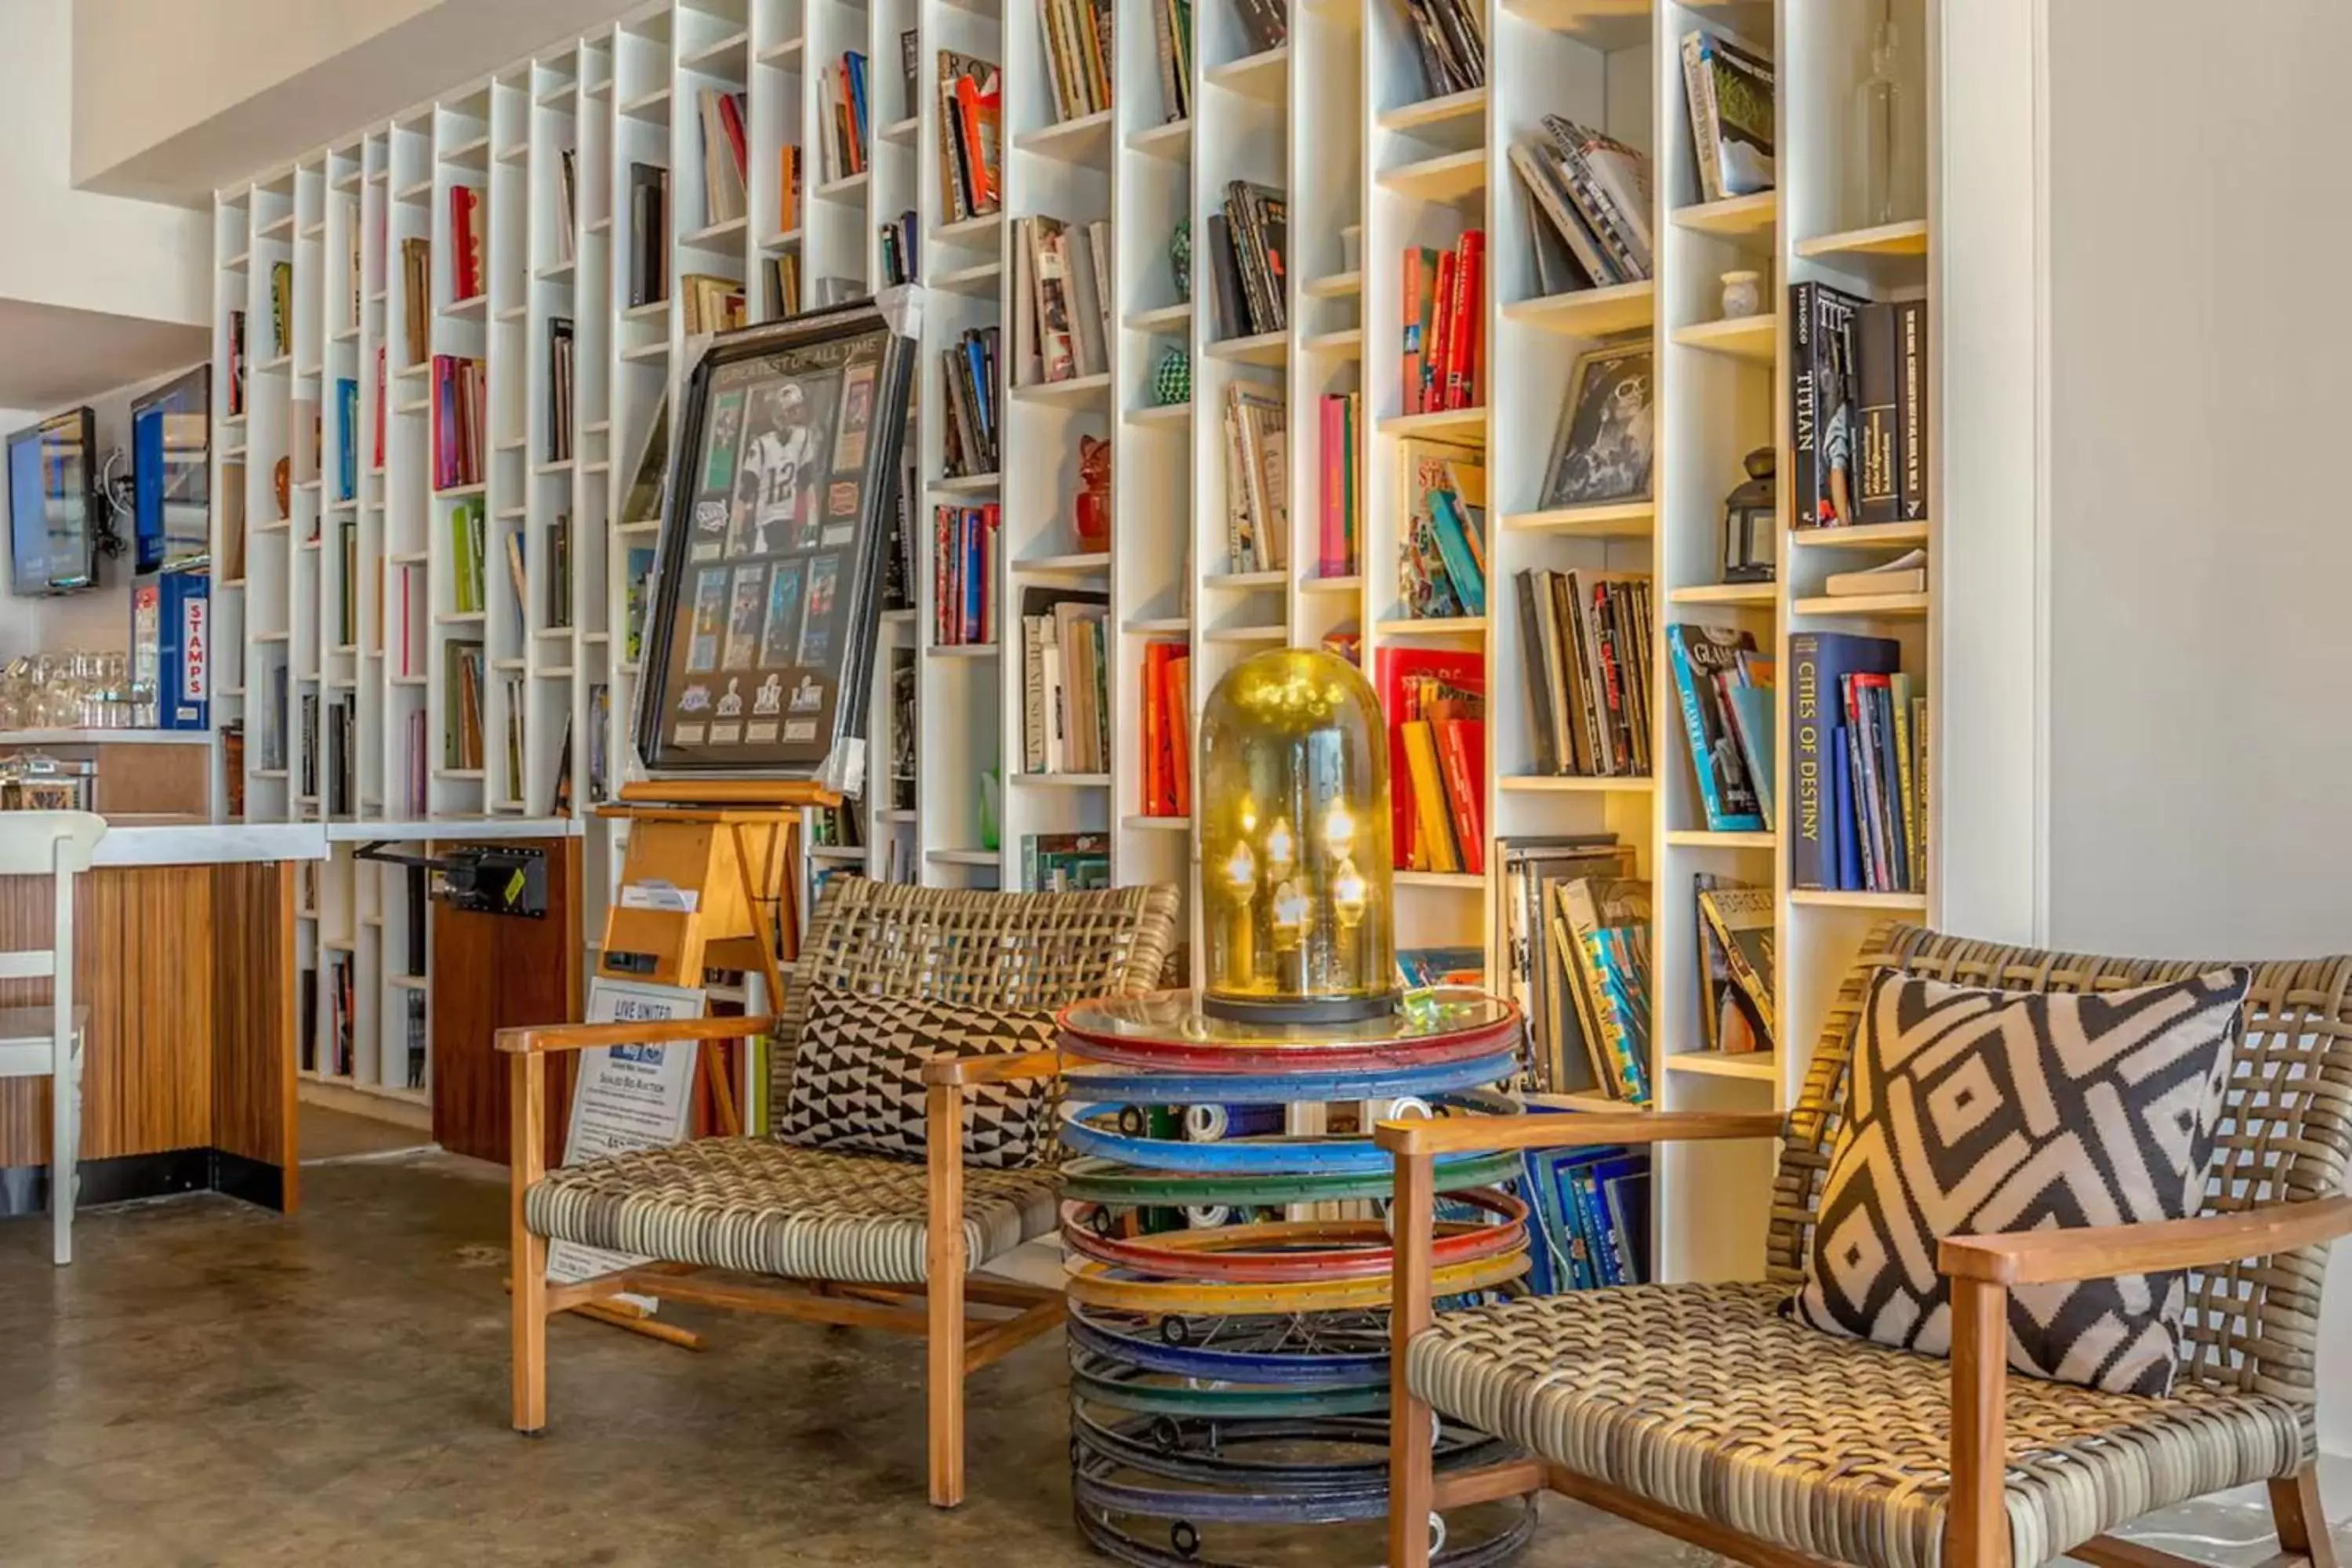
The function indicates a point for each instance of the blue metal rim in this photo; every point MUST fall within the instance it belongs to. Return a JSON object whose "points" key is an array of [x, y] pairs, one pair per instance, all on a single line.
{"points": [[1156, 1353], [1139, 1087], [1235, 1156], [1110, 1182]]}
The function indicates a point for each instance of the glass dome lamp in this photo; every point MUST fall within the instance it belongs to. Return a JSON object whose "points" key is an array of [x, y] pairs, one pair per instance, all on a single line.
{"points": [[1295, 872]]}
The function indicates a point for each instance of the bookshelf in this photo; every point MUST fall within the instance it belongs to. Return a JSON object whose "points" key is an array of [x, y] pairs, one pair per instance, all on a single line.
{"points": [[1337, 118]]}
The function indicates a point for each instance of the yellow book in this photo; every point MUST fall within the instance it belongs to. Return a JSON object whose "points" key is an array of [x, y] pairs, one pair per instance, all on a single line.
{"points": [[1436, 834]]}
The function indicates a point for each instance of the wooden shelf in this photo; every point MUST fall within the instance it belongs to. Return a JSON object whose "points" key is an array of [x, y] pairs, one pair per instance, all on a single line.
{"points": [[1619, 519], [1447, 177], [1570, 784], [1468, 104], [1701, 838], [1894, 240], [1445, 424], [1753, 596], [1347, 343], [1175, 318], [1264, 77], [1839, 898], [1172, 141], [1749, 222], [1432, 626], [1863, 536], [1259, 348], [1076, 391], [1760, 1066], [1081, 141], [1752, 339], [1868, 606], [1347, 285], [1451, 881], [1589, 313]]}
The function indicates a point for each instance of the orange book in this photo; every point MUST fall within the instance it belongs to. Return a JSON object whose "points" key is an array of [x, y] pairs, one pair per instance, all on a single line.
{"points": [[788, 192], [1441, 353], [1156, 794], [1419, 280], [1180, 729], [1461, 744], [1432, 839]]}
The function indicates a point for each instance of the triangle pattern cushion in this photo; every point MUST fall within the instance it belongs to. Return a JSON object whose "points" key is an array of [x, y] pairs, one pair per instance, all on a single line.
{"points": [[858, 1082], [1976, 1111]]}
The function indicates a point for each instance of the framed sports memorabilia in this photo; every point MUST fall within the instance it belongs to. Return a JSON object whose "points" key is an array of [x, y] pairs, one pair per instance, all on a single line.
{"points": [[775, 526]]}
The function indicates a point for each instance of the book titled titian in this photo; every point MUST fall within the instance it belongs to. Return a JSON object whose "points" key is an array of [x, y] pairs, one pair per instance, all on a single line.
{"points": [[1820, 324], [1819, 664]]}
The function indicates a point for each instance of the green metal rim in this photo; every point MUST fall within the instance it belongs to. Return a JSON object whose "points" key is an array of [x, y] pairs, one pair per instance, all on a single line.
{"points": [[1104, 1181], [1174, 1399]]}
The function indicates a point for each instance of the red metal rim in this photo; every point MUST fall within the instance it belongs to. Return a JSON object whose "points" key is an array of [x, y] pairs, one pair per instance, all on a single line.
{"points": [[1363, 1249]]}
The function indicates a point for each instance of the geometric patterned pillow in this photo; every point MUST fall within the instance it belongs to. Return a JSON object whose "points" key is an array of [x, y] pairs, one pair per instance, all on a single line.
{"points": [[858, 1083], [1977, 1110]]}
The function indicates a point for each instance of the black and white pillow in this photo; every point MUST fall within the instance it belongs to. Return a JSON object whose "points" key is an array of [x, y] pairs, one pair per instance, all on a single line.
{"points": [[1978, 1110], [858, 1083]]}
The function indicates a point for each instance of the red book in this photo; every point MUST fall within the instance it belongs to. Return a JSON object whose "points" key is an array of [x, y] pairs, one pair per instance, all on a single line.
{"points": [[1331, 534], [1180, 727], [1400, 673], [1461, 748], [730, 116], [1469, 280], [1433, 362], [1157, 792], [379, 404]]}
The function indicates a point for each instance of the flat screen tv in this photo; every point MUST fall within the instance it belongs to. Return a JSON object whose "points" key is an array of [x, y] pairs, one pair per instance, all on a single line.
{"points": [[170, 464], [53, 548]]}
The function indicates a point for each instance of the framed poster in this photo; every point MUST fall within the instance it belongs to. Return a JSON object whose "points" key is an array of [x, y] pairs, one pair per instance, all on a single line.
{"points": [[782, 494]]}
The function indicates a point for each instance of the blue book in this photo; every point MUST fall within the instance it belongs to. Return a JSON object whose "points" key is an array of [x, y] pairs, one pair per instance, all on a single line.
{"points": [[1627, 1199], [346, 443], [1445, 515], [1608, 1247], [1890, 774], [1541, 1231], [1751, 716], [1842, 822], [857, 63], [1699, 654], [1584, 1252], [1819, 663]]}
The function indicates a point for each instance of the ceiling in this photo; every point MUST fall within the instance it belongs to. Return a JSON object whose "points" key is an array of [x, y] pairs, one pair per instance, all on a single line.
{"points": [[52, 356]]}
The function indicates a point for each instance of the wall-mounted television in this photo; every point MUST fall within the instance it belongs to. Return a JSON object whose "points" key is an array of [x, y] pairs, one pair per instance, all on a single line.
{"points": [[53, 547], [170, 465]]}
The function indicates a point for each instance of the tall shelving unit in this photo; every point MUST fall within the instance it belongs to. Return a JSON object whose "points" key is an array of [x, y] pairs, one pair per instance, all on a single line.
{"points": [[1336, 118]]}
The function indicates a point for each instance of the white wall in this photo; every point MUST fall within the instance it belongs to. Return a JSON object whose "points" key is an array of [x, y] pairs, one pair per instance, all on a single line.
{"points": [[62, 247], [2199, 557]]}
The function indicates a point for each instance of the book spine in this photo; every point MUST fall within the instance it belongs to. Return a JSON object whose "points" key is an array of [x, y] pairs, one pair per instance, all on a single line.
{"points": [[1877, 377], [1804, 393], [1904, 792], [1814, 849], [1911, 409], [1535, 660], [1695, 729], [1698, 91], [1461, 742]]}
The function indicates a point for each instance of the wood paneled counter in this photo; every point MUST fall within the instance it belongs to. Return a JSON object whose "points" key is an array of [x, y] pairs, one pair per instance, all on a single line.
{"points": [[184, 957]]}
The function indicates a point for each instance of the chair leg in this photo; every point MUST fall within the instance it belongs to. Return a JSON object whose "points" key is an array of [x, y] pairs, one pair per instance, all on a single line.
{"points": [[65, 1150], [2302, 1524], [1410, 1441], [944, 1263], [525, 1157]]}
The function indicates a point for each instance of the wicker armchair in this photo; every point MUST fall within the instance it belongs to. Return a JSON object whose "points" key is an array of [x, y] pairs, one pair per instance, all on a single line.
{"points": [[1701, 1411], [854, 1238]]}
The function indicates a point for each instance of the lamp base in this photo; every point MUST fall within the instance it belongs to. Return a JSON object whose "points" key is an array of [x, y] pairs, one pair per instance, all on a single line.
{"points": [[1299, 1009]]}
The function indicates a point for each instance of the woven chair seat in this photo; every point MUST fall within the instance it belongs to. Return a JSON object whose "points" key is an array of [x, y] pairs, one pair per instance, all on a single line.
{"points": [[759, 1207], [1704, 1398]]}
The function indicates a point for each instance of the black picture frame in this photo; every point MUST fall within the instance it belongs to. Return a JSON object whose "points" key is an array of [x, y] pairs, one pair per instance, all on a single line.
{"points": [[776, 520], [1605, 449]]}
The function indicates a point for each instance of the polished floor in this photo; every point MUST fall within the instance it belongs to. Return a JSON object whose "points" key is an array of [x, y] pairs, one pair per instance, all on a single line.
{"points": [[214, 1384]]}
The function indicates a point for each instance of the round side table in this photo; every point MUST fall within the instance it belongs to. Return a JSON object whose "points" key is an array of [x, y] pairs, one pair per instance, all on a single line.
{"points": [[1229, 1288]]}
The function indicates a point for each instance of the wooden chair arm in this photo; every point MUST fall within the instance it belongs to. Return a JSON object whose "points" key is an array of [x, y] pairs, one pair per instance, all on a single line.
{"points": [[546, 1039], [993, 1068], [1456, 1134], [2100, 1252]]}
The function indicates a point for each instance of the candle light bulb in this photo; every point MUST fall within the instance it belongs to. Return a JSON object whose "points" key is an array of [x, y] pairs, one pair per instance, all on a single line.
{"points": [[1349, 895], [1281, 849], [1241, 871], [1290, 914], [1338, 829]]}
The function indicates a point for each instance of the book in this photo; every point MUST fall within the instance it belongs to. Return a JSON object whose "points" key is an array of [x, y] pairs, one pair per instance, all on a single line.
{"points": [[1584, 643], [1875, 435], [1602, 925], [1740, 920], [1256, 478], [1821, 665], [1065, 862], [648, 259], [1727, 90], [1423, 692], [1905, 573], [1077, 52], [1911, 409], [1450, 38], [1249, 242], [1172, 28], [1066, 719], [1821, 326], [970, 111], [1697, 654], [1338, 524], [1442, 569]]}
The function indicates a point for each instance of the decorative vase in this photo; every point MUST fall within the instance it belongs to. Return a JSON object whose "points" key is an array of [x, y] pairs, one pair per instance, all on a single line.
{"points": [[1180, 256], [1172, 379], [1092, 510], [1742, 294]]}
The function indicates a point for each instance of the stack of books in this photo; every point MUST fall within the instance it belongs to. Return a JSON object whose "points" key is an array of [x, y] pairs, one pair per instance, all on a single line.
{"points": [[1591, 1219], [236, 363], [466, 237], [1724, 686], [1061, 304], [1065, 862], [1065, 682], [1339, 525], [347, 584], [1728, 88], [726, 161], [281, 308], [1249, 246], [1444, 358], [1435, 700], [568, 192], [972, 107], [1171, 29], [1591, 194], [1860, 730], [1167, 730], [784, 284], [713, 304], [559, 574], [972, 426], [559, 388], [1533, 961], [1257, 478], [648, 234], [845, 117], [963, 575], [1584, 642], [1858, 385], [513, 685], [468, 547], [461, 395], [788, 189], [462, 665], [1451, 36], [1442, 559], [899, 249], [1078, 58]]}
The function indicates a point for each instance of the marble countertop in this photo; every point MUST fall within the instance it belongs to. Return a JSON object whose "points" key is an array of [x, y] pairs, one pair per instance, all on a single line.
{"points": [[166, 840]]}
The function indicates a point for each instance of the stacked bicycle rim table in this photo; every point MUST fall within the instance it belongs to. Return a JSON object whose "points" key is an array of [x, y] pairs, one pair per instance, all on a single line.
{"points": [[1229, 1349]]}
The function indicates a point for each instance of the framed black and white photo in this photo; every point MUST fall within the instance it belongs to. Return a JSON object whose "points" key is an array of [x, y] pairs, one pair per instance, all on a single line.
{"points": [[1608, 429], [776, 520]]}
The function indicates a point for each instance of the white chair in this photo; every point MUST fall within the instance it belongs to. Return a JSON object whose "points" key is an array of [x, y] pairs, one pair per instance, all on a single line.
{"points": [[46, 1042]]}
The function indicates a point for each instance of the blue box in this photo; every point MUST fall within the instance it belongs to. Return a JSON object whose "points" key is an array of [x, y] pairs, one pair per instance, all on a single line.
{"points": [[172, 645]]}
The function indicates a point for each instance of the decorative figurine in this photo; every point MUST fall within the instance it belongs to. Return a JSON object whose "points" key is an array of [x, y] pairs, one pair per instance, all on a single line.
{"points": [[1180, 256], [1093, 508], [1172, 379]]}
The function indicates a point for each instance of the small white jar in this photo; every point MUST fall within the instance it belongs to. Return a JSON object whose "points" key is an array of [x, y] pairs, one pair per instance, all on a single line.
{"points": [[1741, 294]]}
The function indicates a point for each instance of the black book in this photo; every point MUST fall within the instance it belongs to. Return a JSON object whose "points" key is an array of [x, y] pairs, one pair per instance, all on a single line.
{"points": [[1232, 313], [1264, 23], [910, 64], [1911, 409], [1877, 374], [1820, 318], [309, 1011], [1273, 214], [416, 896], [648, 233], [1539, 662]]}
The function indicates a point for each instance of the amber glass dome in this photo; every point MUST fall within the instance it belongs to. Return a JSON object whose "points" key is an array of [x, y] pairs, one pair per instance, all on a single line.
{"points": [[1295, 865]]}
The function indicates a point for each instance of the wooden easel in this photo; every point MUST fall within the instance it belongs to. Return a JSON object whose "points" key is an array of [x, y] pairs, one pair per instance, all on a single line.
{"points": [[730, 849]]}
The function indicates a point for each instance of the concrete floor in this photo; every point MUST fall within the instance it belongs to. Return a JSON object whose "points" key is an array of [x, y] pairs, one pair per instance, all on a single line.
{"points": [[214, 1384]]}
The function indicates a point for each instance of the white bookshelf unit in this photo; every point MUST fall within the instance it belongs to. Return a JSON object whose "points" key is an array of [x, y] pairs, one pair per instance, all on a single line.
{"points": [[1339, 120]]}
